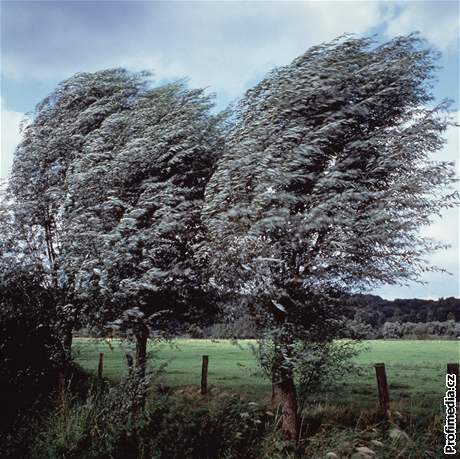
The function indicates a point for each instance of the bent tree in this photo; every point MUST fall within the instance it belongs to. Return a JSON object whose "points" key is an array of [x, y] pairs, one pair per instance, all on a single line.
{"points": [[325, 180], [52, 140], [134, 208], [109, 180]]}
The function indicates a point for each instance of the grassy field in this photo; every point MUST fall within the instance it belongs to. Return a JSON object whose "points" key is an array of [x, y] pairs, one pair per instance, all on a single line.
{"points": [[415, 369]]}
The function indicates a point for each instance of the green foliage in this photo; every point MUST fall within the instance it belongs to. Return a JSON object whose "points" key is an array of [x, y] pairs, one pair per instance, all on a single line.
{"points": [[107, 425], [229, 428], [447, 329], [318, 367], [31, 355], [242, 327], [94, 427], [103, 427], [376, 310], [408, 436], [372, 317], [322, 365]]}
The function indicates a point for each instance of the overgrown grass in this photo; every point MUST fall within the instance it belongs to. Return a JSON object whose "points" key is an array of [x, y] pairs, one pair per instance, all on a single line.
{"points": [[108, 424], [234, 420], [415, 369], [188, 426]]}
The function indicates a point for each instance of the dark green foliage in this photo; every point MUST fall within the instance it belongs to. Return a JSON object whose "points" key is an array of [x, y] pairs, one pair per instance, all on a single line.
{"points": [[29, 347], [367, 316], [31, 355], [186, 428], [318, 366], [241, 328], [349, 435], [230, 428], [375, 310], [105, 426], [448, 329], [373, 317]]}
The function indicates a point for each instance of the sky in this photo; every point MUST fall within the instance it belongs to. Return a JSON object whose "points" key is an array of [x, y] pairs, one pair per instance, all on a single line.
{"points": [[225, 46]]}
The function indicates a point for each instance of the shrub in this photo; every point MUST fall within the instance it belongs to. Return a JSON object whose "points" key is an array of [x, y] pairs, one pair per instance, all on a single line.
{"points": [[391, 330], [317, 365], [242, 327], [108, 425], [31, 354]]}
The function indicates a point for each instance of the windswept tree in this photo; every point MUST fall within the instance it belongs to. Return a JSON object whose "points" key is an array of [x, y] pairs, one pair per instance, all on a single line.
{"points": [[109, 180], [52, 141], [134, 208], [322, 188]]}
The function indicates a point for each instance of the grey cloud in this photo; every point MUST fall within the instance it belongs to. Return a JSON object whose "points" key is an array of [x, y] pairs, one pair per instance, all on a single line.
{"points": [[220, 44]]}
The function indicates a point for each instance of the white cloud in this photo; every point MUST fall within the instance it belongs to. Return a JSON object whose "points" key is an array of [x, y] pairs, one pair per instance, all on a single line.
{"points": [[438, 21], [10, 122], [444, 229], [226, 46]]}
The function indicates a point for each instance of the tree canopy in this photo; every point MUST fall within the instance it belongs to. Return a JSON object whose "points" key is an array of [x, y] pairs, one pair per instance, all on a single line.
{"points": [[324, 183], [142, 194], [327, 176]]}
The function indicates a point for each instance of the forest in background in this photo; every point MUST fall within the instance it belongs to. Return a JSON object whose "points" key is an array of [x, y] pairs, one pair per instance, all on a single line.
{"points": [[373, 317]]}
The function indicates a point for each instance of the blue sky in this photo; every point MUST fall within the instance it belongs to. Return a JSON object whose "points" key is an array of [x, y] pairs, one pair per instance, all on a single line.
{"points": [[225, 46]]}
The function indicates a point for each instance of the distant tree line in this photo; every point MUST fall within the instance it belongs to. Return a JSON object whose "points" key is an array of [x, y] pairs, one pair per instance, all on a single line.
{"points": [[371, 317], [375, 317], [375, 310]]}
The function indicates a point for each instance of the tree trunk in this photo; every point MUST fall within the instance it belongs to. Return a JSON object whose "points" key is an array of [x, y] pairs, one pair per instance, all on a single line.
{"points": [[141, 360], [141, 350], [284, 394], [67, 340]]}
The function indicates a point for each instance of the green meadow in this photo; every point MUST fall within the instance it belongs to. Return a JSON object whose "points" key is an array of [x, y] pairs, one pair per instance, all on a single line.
{"points": [[415, 369]]}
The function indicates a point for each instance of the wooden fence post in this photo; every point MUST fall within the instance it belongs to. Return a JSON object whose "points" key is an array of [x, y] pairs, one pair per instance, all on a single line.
{"points": [[382, 385], [100, 367], [204, 375], [453, 368]]}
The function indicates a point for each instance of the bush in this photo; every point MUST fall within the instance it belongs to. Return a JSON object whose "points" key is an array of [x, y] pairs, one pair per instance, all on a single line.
{"points": [[318, 366], [426, 330], [108, 425], [241, 328], [322, 365], [391, 330], [31, 354], [97, 426]]}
